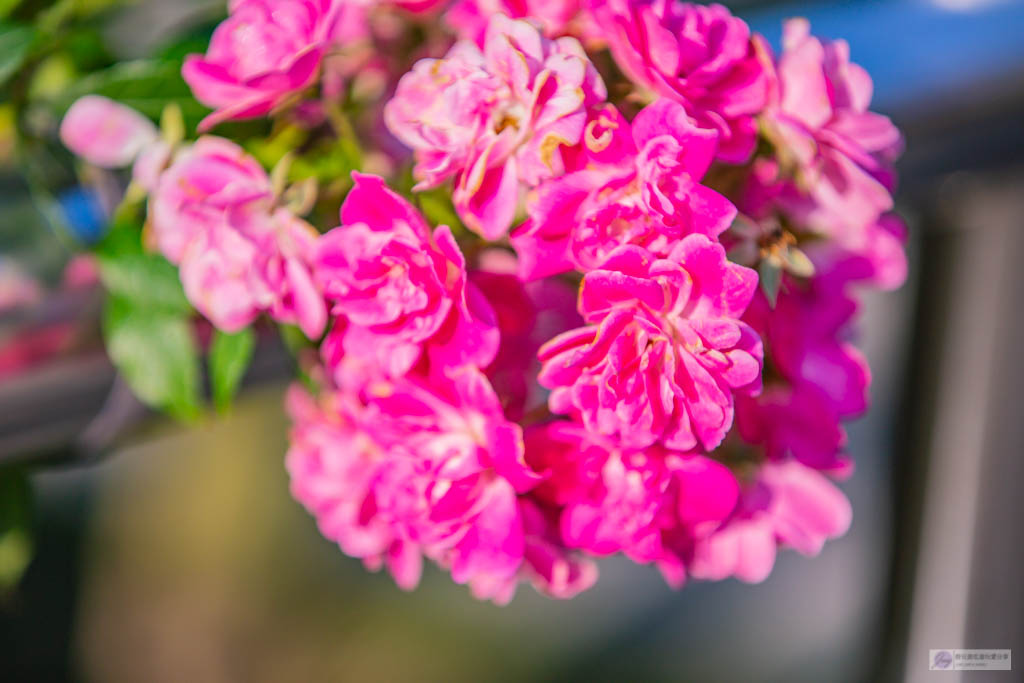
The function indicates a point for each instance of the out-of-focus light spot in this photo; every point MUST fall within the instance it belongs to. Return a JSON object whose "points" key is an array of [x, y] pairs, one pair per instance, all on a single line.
{"points": [[84, 214], [966, 5]]}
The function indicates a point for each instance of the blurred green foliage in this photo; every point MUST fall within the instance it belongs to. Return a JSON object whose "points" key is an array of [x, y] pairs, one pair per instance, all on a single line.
{"points": [[229, 357], [15, 526]]}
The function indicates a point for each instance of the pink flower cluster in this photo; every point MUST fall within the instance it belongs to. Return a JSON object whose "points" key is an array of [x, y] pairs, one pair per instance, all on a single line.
{"points": [[682, 411]]}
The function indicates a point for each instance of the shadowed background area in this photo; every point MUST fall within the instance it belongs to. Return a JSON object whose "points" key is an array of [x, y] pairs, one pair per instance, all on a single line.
{"points": [[166, 554]]}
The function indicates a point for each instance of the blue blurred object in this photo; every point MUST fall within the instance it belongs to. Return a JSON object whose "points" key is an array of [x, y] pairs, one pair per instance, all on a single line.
{"points": [[916, 51], [84, 214]]}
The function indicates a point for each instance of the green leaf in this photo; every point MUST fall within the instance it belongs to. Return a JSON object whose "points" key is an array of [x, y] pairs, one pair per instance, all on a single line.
{"points": [[771, 280], [230, 355], [147, 280], [16, 42], [156, 353], [8, 6], [15, 526]]}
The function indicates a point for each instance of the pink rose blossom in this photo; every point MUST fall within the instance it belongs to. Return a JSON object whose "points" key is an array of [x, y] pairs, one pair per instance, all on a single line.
{"points": [[110, 135], [401, 287], [553, 569], [402, 469], [528, 314], [266, 51], [821, 378], [418, 6], [469, 18], [842, 152], [789, 505], [212, 214], [495, 119], [334, 465], [638, 502], [641, 185], [872, 252], [106, 133], [700, 56], [664, 352], [875, 255], [454, 471]]}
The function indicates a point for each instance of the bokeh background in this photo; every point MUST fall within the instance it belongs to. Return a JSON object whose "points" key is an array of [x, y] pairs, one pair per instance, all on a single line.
{"points": [[160, 553]]}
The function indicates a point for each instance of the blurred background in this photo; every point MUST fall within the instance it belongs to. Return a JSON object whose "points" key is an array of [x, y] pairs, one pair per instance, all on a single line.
{"points": [[160, 553]]}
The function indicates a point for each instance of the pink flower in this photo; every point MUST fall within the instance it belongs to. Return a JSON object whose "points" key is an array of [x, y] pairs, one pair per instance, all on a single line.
{"points": [[495, 120], [417, 6], [470, 18], [702, 57], [106, 133], [528, 314], [872, 252], [806, 335], [821, 378], [110, 135], [875, 255], [789, 505], [638, 502], [842, 152], [665, 351], [397, 470], [401, 287], [551, 568], [334, 465], [212, 214], [641, 185], [266, 51], [212, 182], [454, 469]]}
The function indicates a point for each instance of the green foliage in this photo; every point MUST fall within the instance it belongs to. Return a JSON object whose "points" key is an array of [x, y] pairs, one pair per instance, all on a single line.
{"points": [[15, 526], [156, 353], [8, 6], [144, 278], [770, 273], [147, 323], [16, 41], [230, 355]]}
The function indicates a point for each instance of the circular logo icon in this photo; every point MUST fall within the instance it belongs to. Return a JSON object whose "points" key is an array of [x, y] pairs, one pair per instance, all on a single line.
{"points": [[943, 659]]}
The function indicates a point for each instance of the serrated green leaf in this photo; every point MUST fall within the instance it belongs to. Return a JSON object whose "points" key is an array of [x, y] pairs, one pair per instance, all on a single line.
{"points": [[771, 280], [156, 353], [230, 355], [16, 42], [15, 526]]}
